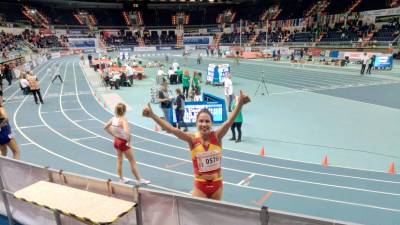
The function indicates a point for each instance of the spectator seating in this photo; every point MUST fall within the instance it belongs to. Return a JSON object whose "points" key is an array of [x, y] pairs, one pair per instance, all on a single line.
{"points": [[301, 37], [387, 33]]}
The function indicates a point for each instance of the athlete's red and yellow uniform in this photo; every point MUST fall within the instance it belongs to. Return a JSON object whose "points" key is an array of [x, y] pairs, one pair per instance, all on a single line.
{"points": [[207, 164]]}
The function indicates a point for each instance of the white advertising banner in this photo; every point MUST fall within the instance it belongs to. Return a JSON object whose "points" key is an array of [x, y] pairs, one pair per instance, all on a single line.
{"points": [[144, 49], [360, 55], [382, 12], [55, 55]]}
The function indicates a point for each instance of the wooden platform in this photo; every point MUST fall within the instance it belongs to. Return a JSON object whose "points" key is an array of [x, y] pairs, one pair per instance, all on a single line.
{"points": [[82, 205]]}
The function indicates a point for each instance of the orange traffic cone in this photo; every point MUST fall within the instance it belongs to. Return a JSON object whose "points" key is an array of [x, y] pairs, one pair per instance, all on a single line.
{"points": [[325, 163], [157, 128], [392, 170], [262, 152]]}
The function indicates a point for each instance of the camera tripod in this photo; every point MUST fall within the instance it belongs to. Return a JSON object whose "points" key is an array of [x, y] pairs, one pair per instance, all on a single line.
{"points": [[262, 86]]}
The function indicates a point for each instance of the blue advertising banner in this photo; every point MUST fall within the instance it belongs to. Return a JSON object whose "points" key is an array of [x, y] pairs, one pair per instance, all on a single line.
{"points": [[383, 62], [334, 54], [82, 43], [213, 103], [216, 74], [198, 40], [164, 48]]}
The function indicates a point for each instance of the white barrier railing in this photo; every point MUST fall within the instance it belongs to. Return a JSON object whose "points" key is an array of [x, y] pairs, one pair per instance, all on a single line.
{"points": [[153, 207]]}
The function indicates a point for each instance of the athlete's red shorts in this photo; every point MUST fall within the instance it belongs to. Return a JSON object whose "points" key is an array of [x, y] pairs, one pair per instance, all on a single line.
{"points": [[120, 144], [208, 187]]}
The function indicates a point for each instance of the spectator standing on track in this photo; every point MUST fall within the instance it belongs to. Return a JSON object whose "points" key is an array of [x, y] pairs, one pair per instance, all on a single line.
{"points": [[34, 87], [364, 61], [228, 91], [179, 72], [129, 73], [17, 71], [196, 81], [175, 66], [90, 57], [237, 124], [279, 55], [23, 82], [199, 59], [180, 109], [186, 83], [371, 62], [7, 137], [165, 100], [204, 145], [7, 74], [185, 55], [166, 58], [56, 73], [82, 58], [237, 55], [160, 75], [118, 127], [171, 76]]}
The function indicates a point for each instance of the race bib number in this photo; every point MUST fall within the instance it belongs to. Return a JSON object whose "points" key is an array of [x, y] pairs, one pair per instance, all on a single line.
{"points": [[208, 161]]}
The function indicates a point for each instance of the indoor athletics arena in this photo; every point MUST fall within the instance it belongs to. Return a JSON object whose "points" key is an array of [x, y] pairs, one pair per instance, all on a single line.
{"points": [[200, 112]]}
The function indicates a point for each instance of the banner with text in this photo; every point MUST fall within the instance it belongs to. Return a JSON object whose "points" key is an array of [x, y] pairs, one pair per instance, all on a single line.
{"points": [[82, 43], [144, 49], [198, 40]]}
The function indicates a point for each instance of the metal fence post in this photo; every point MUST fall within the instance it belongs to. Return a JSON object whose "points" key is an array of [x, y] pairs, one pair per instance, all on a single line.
{"points": [[264, 215], [49, 174], [138, 208], [57, 217], [6, 204]]}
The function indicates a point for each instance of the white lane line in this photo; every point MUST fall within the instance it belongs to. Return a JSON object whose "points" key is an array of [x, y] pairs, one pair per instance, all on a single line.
{"points": [[77, 121], [24, 144], [84, 138], [58, 111], [33, 126], [55, 111], [240, 160], [72, 109], [246, 181]]}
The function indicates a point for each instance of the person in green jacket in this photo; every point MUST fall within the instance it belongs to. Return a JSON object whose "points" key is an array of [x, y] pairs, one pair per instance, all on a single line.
{"points": [[119, 63], [196, 81], [179, 72], [237, 124], [186, 83]]}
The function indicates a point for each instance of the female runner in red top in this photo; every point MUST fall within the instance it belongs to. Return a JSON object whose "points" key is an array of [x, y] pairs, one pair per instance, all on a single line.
{"points": [[118, 127], [206, 148]]}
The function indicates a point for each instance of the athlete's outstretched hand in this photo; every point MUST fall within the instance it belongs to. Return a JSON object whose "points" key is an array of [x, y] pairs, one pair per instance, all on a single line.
{"points": [[243, 98], [148, 112]]}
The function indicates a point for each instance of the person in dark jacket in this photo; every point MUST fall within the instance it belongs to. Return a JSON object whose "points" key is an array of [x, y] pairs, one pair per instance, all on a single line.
{"points": [[371, 64], [180, 109]]}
